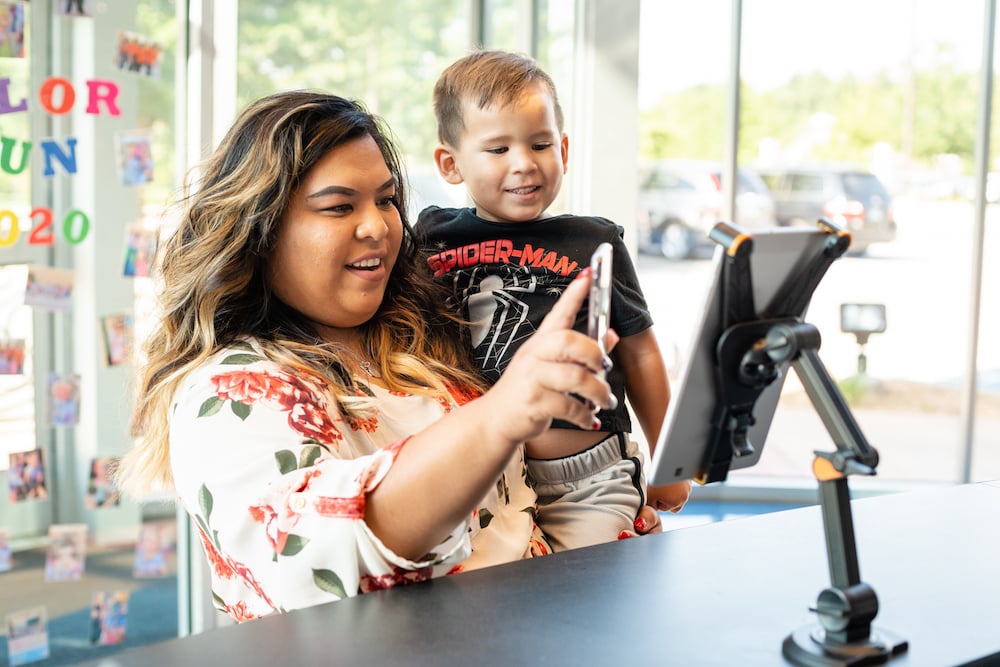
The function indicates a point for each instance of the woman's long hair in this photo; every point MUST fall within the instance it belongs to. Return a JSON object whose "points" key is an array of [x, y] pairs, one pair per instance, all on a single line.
{"points": [[213, 289]]}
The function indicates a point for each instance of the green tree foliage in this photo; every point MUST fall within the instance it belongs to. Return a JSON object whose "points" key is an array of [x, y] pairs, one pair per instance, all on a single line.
{"points": [[938, 117], [386, 54]]}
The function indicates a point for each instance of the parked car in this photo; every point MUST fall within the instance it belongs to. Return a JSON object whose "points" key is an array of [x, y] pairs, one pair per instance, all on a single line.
{"points": [[681, 200], [850, 197]]}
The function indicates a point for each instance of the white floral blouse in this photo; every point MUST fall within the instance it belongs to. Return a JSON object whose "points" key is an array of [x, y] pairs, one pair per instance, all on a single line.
{"points": [[275, 480]]}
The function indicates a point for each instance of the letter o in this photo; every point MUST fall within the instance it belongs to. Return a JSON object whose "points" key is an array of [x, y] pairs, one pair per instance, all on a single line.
{"points": [[47, 92]]}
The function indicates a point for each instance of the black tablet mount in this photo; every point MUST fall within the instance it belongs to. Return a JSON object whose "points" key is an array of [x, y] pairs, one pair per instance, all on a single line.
{"points": [[754, 349]]}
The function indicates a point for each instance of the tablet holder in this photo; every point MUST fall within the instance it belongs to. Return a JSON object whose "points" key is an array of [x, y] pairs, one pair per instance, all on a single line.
{"points": [[754, 350]]}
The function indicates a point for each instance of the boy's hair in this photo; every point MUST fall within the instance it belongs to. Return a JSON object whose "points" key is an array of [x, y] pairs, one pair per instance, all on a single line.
{"points": [[485, 78]]}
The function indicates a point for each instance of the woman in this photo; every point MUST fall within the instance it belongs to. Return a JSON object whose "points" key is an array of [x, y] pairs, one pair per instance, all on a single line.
{"points": [[307, 394]]}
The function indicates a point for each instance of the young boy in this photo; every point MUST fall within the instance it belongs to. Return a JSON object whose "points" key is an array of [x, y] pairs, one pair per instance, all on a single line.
{"points": [[507, 260]]}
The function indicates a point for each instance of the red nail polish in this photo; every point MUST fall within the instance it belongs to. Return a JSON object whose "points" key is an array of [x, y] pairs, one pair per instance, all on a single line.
{"points": [[624, 535], [640, 524]]}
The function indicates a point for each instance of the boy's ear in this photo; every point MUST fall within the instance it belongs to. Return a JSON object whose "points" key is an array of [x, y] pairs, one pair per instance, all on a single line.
{"points": [[565, 153], [445, 161]]}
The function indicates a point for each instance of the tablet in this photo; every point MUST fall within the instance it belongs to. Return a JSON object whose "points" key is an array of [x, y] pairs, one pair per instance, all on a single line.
{"points": [[785, 264]]}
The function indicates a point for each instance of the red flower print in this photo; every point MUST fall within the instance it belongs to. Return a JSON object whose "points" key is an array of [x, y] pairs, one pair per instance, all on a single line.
{"points": [[398, 576], [239, 612], [312, 421], [369, 424], [457, 569], [247, 387], [537, 547], [216, 559]]}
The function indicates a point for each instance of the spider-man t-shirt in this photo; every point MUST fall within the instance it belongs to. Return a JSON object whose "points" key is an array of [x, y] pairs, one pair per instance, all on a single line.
{"points": [[505, 277]]}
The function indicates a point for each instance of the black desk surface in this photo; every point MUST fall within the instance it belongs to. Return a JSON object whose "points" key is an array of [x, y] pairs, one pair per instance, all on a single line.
{"points": [[720, 594]]}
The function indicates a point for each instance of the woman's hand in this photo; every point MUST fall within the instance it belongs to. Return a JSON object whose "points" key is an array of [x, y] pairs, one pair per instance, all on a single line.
{"points": [[554, 363]]}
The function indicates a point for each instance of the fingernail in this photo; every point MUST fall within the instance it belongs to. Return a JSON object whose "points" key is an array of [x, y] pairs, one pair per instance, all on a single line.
{"points": [[584, 273], [612, 401], [595, 424], [624, 535], [640, 525], [607, 364]]}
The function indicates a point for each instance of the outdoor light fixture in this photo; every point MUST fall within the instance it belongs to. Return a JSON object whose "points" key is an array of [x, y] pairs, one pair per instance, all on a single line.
{"points": [[862, 320]]}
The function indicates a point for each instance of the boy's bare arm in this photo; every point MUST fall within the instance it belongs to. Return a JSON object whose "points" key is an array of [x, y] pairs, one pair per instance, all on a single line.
{"points": [[647, 385]]}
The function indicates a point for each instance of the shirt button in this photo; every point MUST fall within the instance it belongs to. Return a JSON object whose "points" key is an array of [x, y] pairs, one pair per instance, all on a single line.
{"points": [[298, 501]]}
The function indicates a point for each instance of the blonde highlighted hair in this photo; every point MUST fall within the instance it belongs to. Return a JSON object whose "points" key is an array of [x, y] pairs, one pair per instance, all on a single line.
{"points": [[214, 290], [485, 78]]}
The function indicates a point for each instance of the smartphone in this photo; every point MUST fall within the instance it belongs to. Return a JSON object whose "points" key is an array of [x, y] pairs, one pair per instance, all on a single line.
{"points": [[599, 307]]}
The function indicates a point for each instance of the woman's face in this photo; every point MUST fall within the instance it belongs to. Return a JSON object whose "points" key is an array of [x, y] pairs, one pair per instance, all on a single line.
{"points": [[338, 240]]}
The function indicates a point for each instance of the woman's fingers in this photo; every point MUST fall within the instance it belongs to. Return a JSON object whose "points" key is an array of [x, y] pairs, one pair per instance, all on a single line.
{"points": [[563, 313]]}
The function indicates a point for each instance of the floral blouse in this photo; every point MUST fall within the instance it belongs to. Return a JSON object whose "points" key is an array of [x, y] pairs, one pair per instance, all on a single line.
{"points": [[275, 480]]}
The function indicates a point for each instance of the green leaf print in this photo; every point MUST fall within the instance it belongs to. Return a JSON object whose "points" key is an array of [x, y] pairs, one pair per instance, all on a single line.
{"points": [[485, 516], [210, 407], [328, 581], [241, 358], [529, 510], [206, 501], [286, 461], [241, 410], [308, 455], [294, 544], [243, 345]]}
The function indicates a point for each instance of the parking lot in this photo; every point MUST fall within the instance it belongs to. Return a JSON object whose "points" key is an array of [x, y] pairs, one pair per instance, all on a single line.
{"points": [[924, 279]]}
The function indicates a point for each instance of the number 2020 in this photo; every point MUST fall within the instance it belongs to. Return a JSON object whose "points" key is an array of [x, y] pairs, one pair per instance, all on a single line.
{"points": [[75, 227]]}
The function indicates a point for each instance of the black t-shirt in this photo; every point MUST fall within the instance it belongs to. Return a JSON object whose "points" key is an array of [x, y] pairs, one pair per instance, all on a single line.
{"points": [[505, 277]]}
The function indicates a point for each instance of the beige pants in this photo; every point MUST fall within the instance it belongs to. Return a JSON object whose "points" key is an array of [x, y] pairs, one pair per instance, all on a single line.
{"points": [[589, 497]]}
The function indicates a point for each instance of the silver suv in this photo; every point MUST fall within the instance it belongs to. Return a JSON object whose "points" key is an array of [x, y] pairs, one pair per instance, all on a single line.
{"points": [[681, 200], [850, 197]]}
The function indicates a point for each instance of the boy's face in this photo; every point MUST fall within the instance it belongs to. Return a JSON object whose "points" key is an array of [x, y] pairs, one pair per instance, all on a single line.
{"points": [[511, 159]]}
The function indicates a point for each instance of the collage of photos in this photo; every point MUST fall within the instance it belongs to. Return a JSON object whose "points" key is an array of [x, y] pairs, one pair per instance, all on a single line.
{"points": [[57, 395]]}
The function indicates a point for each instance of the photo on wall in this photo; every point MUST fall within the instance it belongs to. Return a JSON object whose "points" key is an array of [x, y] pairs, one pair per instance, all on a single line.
{"points": [[116, 333], [67, 552], [12, 357], [139, 54], [6, 554], [140, 246], [48, 288], [135, 156], [26, 476], [73, 8], [108, 618], [64, 399], [101, 488], [12, 24], [27, 635], [155, 549]]}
